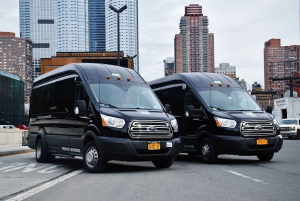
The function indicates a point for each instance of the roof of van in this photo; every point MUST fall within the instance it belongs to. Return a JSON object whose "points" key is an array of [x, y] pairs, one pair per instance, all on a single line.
{"points": [[92, 71], [199, 80]]}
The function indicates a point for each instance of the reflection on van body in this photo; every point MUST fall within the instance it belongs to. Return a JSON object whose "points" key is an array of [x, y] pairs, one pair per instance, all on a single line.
{"points": [[217, 116], [100, 112]]}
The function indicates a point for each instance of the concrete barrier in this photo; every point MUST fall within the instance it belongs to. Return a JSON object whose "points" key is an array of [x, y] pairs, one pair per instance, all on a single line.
{"points": [[10, 136]]}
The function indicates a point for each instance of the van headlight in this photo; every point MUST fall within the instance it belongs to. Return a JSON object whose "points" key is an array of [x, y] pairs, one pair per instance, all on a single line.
{"points": [[174, 125], [112, 121], [228, 123], [274, 121]]}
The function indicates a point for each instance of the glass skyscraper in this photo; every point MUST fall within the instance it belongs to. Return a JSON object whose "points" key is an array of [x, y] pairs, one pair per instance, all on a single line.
{"points": [[128, 28], [78, 26], [97, 25]]}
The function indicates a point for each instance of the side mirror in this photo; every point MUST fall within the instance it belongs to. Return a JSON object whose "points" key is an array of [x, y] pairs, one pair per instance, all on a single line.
{"points": [[168, 108], [80, 107], [188, 111]]}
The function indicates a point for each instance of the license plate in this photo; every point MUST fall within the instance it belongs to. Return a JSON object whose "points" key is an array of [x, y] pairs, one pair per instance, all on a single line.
{"points": [[283, 135], [262, 141], [153, 145]]}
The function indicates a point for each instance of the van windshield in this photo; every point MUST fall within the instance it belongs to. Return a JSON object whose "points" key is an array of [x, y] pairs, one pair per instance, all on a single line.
{"points": [[228, 99], [126, 95]]}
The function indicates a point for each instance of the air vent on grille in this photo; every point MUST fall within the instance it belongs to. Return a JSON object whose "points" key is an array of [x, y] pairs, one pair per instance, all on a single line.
{"points": [[150, 129], [258, 128]]}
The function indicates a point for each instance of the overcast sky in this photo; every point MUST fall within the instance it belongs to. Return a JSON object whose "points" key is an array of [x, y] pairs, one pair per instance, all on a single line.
{"points": [[240, 29]]}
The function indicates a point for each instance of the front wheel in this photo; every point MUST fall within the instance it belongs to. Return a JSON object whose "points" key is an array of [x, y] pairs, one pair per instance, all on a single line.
{"points": [[298, 135], [41, 154], [163, 163], [265, 157], [91, 158], [208, 151]]}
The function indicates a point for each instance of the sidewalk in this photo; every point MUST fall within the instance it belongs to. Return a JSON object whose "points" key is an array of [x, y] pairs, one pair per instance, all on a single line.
{"points": [[10, 149]]}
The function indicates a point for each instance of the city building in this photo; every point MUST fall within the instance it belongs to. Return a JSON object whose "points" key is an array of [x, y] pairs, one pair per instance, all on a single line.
{"points": [[194, 46], [11, 99], [16, 58], [281, 65], [97, 25], [226, 69], [128, 28], [243, 83], [169, 66], [78, 26], [264, 98], [37, 24], [64, 58]]}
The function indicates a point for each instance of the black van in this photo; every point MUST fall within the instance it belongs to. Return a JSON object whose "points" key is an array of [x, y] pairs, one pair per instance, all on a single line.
{"points": [[216, 116], [101, 112]]}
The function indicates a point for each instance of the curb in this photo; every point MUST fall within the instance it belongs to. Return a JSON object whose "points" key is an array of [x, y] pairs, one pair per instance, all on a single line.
{"points": [[13, 152]]}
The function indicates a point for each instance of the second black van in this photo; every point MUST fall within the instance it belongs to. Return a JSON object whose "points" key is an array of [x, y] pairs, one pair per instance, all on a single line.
{"points": [[217, 116], [102, 113]]}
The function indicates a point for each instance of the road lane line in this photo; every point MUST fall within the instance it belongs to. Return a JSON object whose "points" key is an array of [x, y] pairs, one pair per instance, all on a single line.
{"points": [[45, 186], [246, 177]]}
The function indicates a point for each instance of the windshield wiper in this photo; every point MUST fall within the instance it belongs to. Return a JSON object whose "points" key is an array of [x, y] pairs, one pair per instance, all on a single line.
{"points": [[213, 107], [107, 105]]}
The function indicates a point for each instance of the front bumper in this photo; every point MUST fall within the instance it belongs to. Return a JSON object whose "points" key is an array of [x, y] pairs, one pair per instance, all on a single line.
{"points": [[288, 133], [238, 145], [136, 150]]}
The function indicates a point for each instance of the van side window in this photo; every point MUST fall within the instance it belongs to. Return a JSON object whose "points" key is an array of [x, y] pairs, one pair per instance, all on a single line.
{"points": [[40, 101], [81, 94], [62, 97], [191, 99], [173, 97]]}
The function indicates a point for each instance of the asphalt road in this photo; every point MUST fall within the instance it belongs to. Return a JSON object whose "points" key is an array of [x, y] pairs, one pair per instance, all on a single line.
{"points": [[232, 178]]}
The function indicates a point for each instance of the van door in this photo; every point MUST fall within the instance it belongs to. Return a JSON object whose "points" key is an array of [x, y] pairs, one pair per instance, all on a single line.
{"points": [[61, 106], [79, 122]]}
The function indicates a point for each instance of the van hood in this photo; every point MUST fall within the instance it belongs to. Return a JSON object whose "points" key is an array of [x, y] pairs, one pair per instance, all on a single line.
{"points": [[240, 116], [134, 114]]}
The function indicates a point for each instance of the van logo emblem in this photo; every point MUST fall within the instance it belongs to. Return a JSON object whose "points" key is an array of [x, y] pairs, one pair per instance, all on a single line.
{"points": [[151, 128], [259, 127]]}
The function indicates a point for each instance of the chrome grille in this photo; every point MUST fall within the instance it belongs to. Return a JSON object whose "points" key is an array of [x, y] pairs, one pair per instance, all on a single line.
{"points": [[285, 128], [142, 129], [258, 128]]}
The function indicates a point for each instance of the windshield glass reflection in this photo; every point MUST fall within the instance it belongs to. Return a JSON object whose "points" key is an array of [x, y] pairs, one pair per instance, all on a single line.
{"points": [[229, 99], [127, 95]]}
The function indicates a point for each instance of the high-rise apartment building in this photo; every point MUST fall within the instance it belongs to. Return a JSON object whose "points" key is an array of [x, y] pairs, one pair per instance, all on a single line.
{"points": [[226, 69], [97, 25], [281, 63], [16, 58], [194, 46], [128, 28], [71, 26], [37, 24], [78, 26], [169, 66]]}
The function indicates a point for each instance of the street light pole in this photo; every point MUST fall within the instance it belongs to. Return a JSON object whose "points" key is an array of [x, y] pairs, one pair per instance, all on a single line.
{"points": [[118, 27]]}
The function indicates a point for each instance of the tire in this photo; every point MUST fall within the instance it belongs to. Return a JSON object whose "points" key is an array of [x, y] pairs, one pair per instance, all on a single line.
{"points": [[41, 154], [91, 158], [163, 163], [265, 157], [208, 152], [298, 135]]}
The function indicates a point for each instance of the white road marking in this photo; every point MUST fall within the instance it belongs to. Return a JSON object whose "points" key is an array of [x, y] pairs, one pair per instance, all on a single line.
{"points": [[43, 187], [31, 167], [246, 177], [12, 166], [48, 170]]}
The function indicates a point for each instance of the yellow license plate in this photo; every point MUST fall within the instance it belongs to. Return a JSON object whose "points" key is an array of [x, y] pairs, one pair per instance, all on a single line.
{"points": [[283, 135], [153, 145], [262, 141]]}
